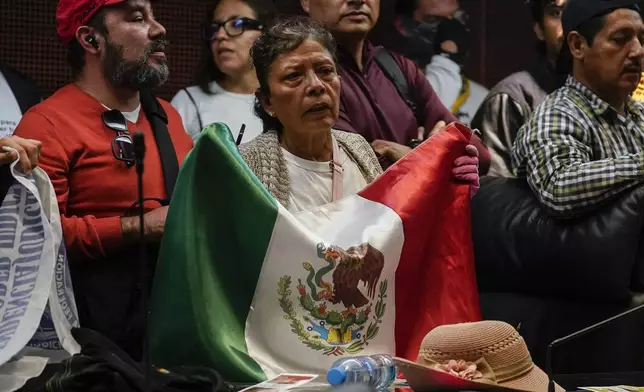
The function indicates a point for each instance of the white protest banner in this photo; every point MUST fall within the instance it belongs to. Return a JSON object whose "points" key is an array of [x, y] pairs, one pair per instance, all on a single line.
{"points": [[37, 308]]}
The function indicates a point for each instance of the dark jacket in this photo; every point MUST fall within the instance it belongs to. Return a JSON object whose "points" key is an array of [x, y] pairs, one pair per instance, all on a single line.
{"points": [[507, 107], [24, 90]]}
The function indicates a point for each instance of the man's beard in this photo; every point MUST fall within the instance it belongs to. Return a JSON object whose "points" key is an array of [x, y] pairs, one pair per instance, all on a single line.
{"points": [[135, 74]]}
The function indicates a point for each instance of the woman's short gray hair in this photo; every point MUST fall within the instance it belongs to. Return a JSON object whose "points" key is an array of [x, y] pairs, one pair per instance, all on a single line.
{"points": [[284, 36]]}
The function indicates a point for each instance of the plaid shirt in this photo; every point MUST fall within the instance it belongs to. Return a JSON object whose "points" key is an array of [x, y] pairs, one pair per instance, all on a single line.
{"points": [[577, 152]]}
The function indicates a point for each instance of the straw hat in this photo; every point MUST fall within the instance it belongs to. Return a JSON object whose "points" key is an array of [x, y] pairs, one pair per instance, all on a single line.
{"points": [[486, 354]]}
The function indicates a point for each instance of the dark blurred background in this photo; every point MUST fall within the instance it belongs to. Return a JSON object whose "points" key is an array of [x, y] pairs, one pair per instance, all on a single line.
{"points": [[502, 38]]}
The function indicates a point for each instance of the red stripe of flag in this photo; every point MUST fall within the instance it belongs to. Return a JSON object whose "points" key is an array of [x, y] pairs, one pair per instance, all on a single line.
{"points": [[435, 280]]}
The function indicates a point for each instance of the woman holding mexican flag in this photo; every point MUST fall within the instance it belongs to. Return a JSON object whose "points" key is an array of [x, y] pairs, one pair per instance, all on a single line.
{"points": [[295, 249], [300, 158]]}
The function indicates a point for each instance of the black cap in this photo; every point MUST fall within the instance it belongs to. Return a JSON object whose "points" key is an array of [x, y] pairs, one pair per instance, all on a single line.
{"points": [[576, 13]]}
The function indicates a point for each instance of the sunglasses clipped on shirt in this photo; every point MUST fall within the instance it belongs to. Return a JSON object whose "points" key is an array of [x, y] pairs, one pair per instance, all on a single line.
{"points": [[122, 144], [233, 27]]}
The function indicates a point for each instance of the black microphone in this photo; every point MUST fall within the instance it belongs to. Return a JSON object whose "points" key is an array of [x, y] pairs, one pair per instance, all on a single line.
{"points": [[575, 335], [139, 151], [139, 155]]}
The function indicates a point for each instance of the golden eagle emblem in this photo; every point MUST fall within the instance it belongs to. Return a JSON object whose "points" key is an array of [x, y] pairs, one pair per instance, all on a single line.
{"points": [[337, 311]]}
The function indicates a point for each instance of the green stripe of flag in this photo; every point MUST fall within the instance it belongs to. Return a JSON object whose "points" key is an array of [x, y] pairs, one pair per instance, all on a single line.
{"points": [[218, 195]]}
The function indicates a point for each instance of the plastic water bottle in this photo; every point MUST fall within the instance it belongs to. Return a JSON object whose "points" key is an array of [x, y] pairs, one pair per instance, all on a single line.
{"points": [[377, 371], [385, 361]]}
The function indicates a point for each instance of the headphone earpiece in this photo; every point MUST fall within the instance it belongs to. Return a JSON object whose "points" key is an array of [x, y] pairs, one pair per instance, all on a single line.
{"points": [[90, 39]]}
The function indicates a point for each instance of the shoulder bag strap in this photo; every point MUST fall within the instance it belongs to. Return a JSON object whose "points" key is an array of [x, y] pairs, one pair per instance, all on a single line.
{"points": [[336, 172], [393, 72], [158, 121], [196, 108]]}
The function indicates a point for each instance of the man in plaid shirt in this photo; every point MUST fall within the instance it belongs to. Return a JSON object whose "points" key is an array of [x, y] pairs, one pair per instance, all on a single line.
{"points": [[585, 143]]}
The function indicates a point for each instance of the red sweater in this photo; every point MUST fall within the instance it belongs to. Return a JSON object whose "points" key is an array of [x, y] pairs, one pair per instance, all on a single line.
{"points": [[93, 188]]}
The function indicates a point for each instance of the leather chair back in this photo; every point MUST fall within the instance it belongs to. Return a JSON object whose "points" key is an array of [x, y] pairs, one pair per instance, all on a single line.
{"points": [[520, 248]]}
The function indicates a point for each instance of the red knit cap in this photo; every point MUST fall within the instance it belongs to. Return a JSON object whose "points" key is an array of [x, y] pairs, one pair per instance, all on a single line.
{"points": [[72, 14]]}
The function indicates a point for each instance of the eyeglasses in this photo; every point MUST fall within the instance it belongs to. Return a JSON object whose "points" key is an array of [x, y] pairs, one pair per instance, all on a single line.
{"points": [[122, 144], [233, 27]]}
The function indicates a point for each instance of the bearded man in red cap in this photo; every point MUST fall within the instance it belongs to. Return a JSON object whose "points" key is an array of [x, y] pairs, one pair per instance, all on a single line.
{"points": [[116, 52]]}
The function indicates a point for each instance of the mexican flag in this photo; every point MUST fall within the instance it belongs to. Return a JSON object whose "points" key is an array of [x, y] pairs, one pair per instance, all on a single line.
{"points": [[251, 290]]}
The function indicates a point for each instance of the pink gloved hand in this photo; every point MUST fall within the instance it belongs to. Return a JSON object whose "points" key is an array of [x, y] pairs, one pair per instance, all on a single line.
{"points": [[466, 168]]}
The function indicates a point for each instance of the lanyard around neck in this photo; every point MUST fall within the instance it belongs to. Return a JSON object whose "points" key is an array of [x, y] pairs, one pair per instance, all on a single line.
{"points": [[336, 172], [463, 95]]}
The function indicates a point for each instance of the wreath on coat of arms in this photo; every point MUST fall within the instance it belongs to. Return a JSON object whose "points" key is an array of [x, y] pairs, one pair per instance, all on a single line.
{"points": [[327, 327]]}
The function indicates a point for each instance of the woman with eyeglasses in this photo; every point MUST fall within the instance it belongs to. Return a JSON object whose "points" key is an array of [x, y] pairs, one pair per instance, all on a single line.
{"points": [[226, 79]]}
